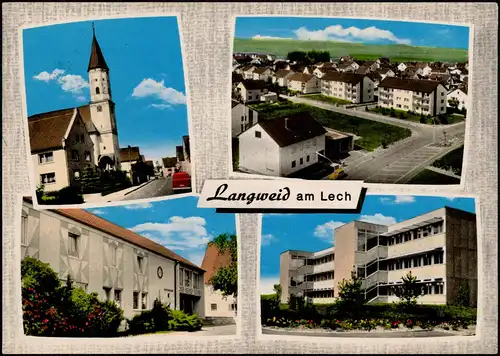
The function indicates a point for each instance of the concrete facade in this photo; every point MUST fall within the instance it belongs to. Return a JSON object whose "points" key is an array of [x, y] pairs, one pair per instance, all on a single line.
{"points": [[361, 92], [439, 248], [102, 262]]}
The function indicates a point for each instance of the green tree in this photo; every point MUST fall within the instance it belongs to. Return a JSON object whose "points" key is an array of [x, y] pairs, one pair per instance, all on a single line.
{"points": [[277, 290], [409, 291], [463, 298], [225, 279], [297, 56], [351, 292]]}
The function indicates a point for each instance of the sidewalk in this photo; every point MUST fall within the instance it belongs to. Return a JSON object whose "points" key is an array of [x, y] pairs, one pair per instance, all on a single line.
{"points": [[119, 195]]}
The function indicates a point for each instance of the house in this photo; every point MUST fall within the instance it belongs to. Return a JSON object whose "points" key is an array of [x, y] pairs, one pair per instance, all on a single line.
{"points": [[425, 245], [383, 60], [321, 71], [250, 90], [269, 97], [281, 146], [346, 67], [458, 98], [356, 88], [243, 118], [427, 97], [304, 83], [110, 260], [364, 70], [427, 70], [279, 65], [262, 73], [297, 68], [216, 305], [338, 144], [61, 148], [402, 67], [169, 166], [282, 76], [309, 70], [385, 72], [247, 71], [371, 65], [98, 132], [439, 71], [129, 157]]}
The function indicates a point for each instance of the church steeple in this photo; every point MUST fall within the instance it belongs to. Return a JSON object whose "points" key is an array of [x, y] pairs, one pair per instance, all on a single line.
{"points": [[96, 57]]}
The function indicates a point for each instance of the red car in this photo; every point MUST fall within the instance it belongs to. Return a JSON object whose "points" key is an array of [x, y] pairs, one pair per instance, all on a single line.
{"points": [[181, 181]]}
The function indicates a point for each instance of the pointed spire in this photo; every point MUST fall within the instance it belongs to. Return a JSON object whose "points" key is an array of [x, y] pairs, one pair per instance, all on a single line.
{"points": [[96, 57]]}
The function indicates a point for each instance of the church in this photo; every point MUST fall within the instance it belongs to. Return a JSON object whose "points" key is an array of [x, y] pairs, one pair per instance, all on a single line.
{"points": [[64, 142]]}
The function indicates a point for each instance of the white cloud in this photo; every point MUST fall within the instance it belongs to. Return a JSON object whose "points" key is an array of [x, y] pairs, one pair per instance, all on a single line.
{"points": [[378, 219], [81, 98], [178, 234], [98, 212], [46, 76], [138, 206], [450, 198], [72, 83], [266, 239], [161, 106], [267, 284], [350, 34], [404, 199], [151, 88], [259, 37], [325, 231]]}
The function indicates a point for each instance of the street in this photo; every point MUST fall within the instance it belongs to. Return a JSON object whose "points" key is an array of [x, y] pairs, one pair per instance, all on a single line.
{"points": [[365, 335], [157, 188], [403, 160]]}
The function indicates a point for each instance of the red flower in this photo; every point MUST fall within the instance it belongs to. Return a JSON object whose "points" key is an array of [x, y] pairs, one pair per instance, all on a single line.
{"points": [[87, 323], [45, 321]]}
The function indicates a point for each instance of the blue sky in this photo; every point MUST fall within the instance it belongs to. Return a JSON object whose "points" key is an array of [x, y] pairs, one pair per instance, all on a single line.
{"points": [[147, 81], [175, 223], [353, 30], [314, 232]]}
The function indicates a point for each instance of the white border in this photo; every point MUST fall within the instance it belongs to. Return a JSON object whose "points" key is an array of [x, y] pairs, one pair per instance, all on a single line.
{"points": [[37, 341], [389, 340], [31, 167], [453, 187]]}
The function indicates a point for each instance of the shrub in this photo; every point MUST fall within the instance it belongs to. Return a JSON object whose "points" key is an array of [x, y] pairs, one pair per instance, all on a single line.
{"points": [[392, 112], [183, 322], [423, 120], [142, 323]]}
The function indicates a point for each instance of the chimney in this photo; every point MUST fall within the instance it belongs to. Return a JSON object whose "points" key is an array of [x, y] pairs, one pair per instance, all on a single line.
{"points": [[286, 123]]}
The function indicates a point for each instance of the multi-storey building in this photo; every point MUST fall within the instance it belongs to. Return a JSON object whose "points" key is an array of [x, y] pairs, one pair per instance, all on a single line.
{"points": [[427, 97], [110, 260], [439, 248], [356, 88]]}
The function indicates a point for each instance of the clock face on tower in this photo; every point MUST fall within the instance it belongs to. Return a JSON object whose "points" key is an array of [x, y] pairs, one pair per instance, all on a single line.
{"points": [[159, 272]]}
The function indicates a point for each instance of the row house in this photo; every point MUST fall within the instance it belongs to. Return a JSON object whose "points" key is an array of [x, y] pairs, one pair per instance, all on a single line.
{"points": [[356, 88], [321, 71], [348, 67], [112, 261], [282, 146], [262, 73], [281, 77], [427, 97], [304, 83]]}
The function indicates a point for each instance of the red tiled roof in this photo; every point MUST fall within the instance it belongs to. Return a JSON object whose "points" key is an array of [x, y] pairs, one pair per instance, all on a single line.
{"points": [[98, 223], [301, 77], [47, 130], [416, 85], [213, 260]]}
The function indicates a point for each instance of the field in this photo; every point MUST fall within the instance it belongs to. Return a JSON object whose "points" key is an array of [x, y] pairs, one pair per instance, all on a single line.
{"points": [[397, 52], [373, 134], [452, 161]]}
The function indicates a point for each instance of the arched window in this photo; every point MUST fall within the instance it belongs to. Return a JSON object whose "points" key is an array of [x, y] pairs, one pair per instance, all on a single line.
{"points": [[97, 91]]}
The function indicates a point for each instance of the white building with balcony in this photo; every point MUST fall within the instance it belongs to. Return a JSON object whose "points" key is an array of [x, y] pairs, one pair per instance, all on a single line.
{"points": [[439, 248], [427, 97], [356, 88]]}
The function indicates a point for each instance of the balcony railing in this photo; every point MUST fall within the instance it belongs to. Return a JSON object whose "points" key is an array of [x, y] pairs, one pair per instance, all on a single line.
{"points": [[374, 278], [324, 267], [323, 285], [305, 269], [373, 254]]}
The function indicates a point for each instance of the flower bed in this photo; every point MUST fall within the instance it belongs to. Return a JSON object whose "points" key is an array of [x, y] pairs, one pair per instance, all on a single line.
{"points": [[364, 324]]}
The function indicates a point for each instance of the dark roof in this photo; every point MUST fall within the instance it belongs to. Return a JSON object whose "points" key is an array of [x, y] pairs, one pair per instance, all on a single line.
{"points": [[297, 67], [85, 115], [47, 130], [462, 88], [234, 103], [301, 77], [416, 85], [383, 70], [96, 57], [363, 69], [260, 70], [282, 73], [149, 163], [291, 129], [96, 222], [213, 260], [352, 78], [130, 154], [254, 84], [169, 162]]}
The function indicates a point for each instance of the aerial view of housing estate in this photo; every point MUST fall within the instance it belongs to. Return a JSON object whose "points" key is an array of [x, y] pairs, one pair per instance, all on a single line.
{"points": [[147, 268], [404, 263], [117, 132], [379, 101]]}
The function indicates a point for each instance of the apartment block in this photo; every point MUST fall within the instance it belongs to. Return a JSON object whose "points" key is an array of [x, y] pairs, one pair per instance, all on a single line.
{"points": [[439, 248]]}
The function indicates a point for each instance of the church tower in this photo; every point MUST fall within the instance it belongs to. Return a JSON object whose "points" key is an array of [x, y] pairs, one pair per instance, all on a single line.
{"points": [[102, 110]]}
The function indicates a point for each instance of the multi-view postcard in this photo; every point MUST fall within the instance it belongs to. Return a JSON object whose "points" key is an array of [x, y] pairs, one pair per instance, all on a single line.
{"points": [[403, 264], [164, 267], [327, 98], [106, 111]]}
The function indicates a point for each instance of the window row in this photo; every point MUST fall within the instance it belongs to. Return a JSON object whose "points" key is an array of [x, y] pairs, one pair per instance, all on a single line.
{"points": [[301, 161], [435, 288], [425, 231], [417, 261], [231, 307], [189, 279]]}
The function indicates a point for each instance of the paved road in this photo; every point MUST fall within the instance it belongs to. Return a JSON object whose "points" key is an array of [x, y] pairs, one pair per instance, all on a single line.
{"points": [[157, 188], [401, 161], [391, 335]]}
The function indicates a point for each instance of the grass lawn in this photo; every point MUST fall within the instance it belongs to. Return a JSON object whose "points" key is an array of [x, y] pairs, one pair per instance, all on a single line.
{"points": [[452, 161], [409, 117], [328, 99], [431, 177], [454, 118], [373, 134], [450, 118], [396, 52]]}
